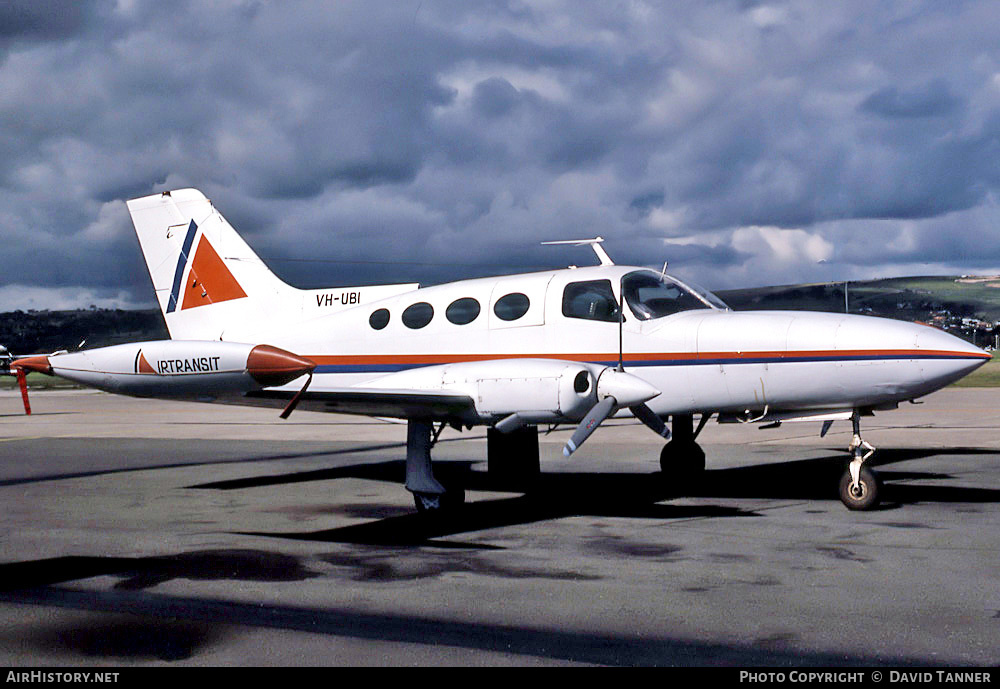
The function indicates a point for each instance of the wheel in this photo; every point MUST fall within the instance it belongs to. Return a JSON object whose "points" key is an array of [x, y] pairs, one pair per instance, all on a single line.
{"points": [[866, 495], [682, 459], [512, 459], [431, 503]]}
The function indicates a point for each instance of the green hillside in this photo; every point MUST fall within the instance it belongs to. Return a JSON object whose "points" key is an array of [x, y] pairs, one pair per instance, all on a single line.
{"points": [[912, 298]]}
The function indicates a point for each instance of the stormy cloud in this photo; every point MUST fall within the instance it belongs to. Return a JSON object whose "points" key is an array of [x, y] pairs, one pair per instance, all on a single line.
{"points": [[746, 143]]}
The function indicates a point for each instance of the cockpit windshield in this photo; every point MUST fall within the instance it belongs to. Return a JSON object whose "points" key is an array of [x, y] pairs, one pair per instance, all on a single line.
{"points": [[651, 295]]}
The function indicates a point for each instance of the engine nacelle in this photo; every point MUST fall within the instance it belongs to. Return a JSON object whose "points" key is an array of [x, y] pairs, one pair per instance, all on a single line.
{"points": [[538, 390]]}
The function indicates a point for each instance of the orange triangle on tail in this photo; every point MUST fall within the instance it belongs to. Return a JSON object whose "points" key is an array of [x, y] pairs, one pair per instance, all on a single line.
{"points": [[209, 281]]}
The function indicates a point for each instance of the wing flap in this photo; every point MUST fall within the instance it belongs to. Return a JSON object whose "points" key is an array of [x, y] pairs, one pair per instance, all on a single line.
{"points": [[790, 416], [399, 404]]}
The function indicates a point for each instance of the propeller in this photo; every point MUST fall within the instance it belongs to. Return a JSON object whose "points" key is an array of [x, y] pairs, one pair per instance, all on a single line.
{"points": [[641, 411], [652, 421], [22, 382], [20, 367], [615, 389], [595, 416]]}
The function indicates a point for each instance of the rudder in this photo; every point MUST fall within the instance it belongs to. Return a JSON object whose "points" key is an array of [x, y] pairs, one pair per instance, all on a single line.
{"points": [[206, 278]]}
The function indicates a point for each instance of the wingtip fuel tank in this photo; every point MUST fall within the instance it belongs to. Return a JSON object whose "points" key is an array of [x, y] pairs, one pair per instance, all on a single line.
{"points": [[176, 368]]}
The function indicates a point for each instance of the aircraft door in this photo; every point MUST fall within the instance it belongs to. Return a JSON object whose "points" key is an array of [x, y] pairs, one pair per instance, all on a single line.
{"points": [[518, 303]]}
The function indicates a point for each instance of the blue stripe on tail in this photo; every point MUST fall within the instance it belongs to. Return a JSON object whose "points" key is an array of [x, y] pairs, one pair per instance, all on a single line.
{"points": [[181, 262]]}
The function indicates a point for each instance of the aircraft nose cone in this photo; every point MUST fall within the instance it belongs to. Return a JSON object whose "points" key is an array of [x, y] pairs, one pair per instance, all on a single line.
{"points": [[947, 358], [932, 339], [272, 366]]}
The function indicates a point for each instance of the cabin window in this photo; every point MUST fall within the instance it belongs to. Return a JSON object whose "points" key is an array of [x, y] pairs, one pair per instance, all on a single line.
{"points": [[593, 300], [417, 315], [654, 296], [510, 307], [379, 319], [462, 311]]}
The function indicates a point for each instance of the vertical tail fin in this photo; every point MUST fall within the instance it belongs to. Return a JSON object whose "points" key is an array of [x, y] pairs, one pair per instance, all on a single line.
{"points": [[207, 279]]}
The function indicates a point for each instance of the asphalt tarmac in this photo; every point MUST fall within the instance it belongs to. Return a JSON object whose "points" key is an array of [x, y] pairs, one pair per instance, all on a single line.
{"points": [[138, 533]]}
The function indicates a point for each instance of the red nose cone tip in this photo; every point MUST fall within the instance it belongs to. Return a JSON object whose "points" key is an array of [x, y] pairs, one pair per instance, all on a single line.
{"points": [[271, 366], [37, 364]]}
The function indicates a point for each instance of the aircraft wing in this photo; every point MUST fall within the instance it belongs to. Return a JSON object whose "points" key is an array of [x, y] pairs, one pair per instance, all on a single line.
{"points": [[508, 393], [399, 403]]}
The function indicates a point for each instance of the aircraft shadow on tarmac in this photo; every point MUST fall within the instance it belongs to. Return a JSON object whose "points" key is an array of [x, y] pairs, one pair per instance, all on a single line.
{"points": [[627, 495], [175, 627], [171, 627]]}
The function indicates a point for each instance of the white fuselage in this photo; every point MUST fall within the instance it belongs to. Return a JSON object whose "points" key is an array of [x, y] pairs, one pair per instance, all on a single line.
{"points": [[701, 359]]}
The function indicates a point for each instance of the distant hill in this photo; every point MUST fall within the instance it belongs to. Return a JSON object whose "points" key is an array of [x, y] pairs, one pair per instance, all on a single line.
{"points": [[968, 306], [26, 332], [896, 297]]}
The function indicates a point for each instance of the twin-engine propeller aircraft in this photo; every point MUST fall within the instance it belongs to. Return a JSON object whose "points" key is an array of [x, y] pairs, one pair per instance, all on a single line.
{"points": [[573, 346]]}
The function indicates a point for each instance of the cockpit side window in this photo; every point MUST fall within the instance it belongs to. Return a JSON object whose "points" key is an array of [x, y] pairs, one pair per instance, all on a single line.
{"points": [[591, 300], [654, 296]]}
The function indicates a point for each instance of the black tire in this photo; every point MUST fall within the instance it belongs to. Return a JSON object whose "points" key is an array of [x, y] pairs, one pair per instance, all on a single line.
{"points": [[512, 459], [682, 459], [868, 493], [428, 503]]}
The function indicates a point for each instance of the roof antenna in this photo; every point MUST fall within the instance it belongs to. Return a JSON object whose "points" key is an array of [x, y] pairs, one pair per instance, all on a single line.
{"points": [[594, 244], [621, 322]]}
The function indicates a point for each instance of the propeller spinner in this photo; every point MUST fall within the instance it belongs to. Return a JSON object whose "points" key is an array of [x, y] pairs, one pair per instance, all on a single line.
{"points": [[615, 390]]}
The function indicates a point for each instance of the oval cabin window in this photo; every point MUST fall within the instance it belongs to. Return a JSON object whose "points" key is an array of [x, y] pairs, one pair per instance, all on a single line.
{"points": [[417, 315], [379, 319], [511, 306], [462, 311]]}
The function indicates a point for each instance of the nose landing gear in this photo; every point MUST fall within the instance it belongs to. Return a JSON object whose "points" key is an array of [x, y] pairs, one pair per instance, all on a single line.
{"points": [[860, 487], [682, 459]]}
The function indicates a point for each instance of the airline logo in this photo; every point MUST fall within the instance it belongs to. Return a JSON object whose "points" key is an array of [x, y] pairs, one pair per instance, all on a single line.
{"points": [[202, 364], [208, 281]]}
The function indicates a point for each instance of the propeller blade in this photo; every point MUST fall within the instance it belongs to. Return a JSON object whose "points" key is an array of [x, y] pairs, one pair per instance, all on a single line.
{"points": [[22, 382], [652, 421], [594, 418], [295, 400]]}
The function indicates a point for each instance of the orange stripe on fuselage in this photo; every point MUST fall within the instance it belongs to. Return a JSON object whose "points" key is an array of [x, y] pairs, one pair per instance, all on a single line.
{"points": [[432, 359]]}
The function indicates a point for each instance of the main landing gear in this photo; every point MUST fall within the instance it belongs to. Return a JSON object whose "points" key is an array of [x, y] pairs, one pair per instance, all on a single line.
{"points": [[860, 487], [512, 460], [682, 459], [428, 495]]}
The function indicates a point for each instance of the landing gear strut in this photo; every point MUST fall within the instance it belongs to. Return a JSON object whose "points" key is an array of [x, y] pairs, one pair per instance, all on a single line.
{"points": [[512, 459], [682, 459], [428, 494], [860, 487]]}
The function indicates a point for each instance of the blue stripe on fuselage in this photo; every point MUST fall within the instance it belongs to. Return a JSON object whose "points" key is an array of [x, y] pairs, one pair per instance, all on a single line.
{"points": [[642, 363]]}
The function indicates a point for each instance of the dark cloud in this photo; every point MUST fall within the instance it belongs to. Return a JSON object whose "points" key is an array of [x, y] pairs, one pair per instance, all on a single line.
{"points": [[931, 100], [46, 20], [495, 97], [436, 139]]}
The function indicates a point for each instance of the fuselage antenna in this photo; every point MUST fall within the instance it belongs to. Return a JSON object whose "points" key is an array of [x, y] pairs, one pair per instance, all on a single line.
{"points": [[594, 244]]}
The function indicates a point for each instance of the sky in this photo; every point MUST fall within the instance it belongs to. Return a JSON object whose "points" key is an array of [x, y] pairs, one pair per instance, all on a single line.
{"points": [[745, 143]]}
